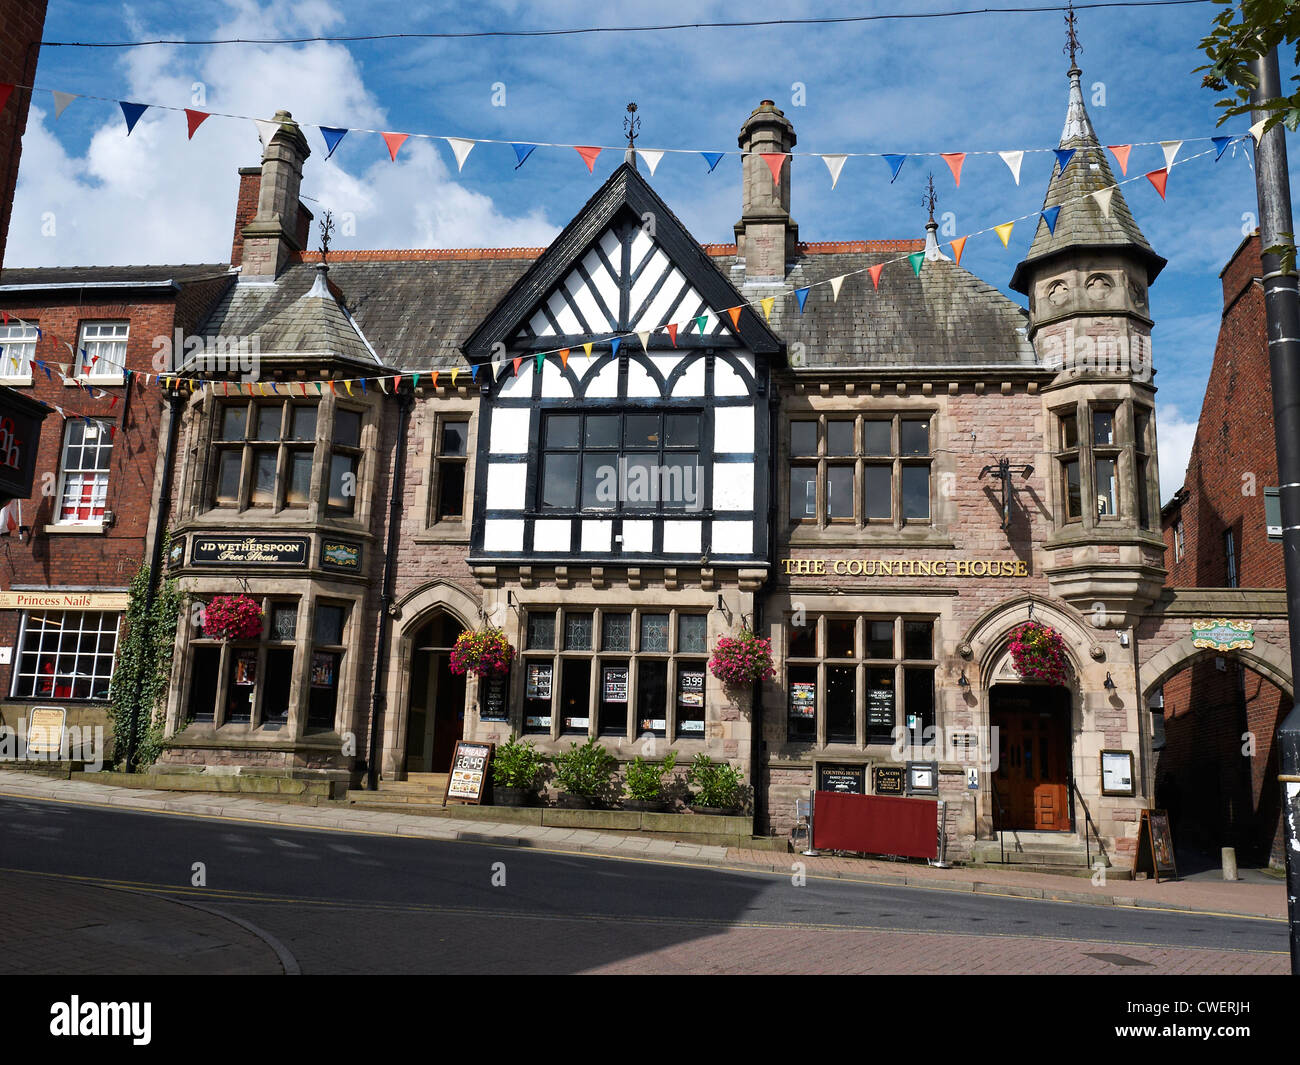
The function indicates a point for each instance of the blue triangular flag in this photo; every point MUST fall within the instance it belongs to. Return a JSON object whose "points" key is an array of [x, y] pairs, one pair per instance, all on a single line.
{"points": [[522, 152], [273, 388], [801, 294], [1221, 143], [132, 112], [613, 345], [1063, 156], [895, 165], [713, 159], [1049, 216], [332, 135], [473, 373], [363, 386], [47, 371]]}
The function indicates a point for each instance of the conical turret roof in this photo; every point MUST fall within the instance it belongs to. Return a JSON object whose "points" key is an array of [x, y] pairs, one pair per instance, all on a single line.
{"points": [[1082, 223]]}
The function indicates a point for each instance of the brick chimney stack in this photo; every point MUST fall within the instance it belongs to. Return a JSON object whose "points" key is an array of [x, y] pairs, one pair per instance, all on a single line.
{"points": [[278, 228], [766, 236]]}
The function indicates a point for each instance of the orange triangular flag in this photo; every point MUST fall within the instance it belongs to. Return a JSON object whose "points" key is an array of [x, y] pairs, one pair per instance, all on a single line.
{"points": [[874, 271], [735, 316], [958, 243], [394, 141], [954, 161], [1120, 152], [588, 154], [564, 356], [194, 119], [1158, 179], [517, 362], [672, 334], [435, 379], [774, 161]]}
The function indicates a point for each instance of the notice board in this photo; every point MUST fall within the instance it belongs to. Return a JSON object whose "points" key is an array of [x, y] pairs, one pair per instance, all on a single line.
{"points": [[1156, 846], [469, 769]]}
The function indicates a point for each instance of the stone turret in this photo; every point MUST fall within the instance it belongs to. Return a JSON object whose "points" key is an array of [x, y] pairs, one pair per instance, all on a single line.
{"points": [[766, 236], [275, 231]]}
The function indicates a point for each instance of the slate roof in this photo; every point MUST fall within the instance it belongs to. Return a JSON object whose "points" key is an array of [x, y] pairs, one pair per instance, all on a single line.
{"points": [[1081, 222], [314, 323], [72, 276]]}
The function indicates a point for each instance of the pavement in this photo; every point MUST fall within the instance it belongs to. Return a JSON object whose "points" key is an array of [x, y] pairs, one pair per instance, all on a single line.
{"points": [[1245, 898]]}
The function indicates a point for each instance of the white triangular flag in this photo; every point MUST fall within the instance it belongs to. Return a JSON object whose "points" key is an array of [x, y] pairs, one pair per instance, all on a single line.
{"points": [[1102, 196], [1013, 160], [834, 163], [1170, 149], [651, 157], [1257, 130], [644, 334], [61, 101], [266, 129], [836, 282], [460, 148]]}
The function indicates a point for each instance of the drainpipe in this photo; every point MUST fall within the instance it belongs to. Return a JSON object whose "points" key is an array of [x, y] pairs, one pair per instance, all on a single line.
{"points": [[757, 745], [160, 523], [379, 682]]}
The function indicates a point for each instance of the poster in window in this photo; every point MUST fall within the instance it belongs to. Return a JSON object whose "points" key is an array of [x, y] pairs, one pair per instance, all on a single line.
{"points": [[322, 670], [690, 687], [880, 710], [246, 669], [615, 684], [803, 699], [539, 680]]}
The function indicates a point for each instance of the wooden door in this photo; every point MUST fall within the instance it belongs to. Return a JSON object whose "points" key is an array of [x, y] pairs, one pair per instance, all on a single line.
{"points": [[448, 713], [1034, 763]]}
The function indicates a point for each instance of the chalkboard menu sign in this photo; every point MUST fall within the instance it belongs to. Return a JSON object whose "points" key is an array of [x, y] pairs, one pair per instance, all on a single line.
{"points": [[880, 711], [888, 780], [469, 769], [493, 705], [846, 779], [1156, 846]]}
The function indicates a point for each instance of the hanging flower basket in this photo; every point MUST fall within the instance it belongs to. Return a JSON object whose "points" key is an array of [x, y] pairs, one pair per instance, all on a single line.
{"points": [[1038, 653], [485, 653], [232, 617], [741, 660]]}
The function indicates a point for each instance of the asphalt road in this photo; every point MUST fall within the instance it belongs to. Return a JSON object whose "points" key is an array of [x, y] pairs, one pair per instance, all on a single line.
{"points": [[343, 902]]}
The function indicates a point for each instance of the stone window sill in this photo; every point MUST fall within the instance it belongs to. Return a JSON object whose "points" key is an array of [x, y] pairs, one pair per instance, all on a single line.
{"points": [[91, 528]]}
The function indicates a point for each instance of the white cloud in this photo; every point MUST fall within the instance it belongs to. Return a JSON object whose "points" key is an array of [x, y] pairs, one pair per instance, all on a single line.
{"points": [[1175, 435], [153, 197]]}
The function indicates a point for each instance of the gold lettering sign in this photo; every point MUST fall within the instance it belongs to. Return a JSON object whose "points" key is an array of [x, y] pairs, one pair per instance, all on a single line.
{"points": [[905, 567]]}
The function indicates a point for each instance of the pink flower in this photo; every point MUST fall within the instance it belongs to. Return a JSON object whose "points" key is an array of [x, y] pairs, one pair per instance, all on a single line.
{"points": [[484, 653], [232, 617]]}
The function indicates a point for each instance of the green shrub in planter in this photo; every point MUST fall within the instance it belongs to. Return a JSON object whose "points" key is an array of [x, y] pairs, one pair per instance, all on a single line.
{"points": [[645, 780], [517, 764], [720, 784], [585, 770]]}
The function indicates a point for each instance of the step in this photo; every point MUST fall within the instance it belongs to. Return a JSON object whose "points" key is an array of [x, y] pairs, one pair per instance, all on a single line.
{"points": [[1060, 854]]}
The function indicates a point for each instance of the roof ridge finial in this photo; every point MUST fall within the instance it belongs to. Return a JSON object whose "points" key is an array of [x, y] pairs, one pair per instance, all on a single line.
{"points": [[631, 126], [930, 199], [1072, 44]]}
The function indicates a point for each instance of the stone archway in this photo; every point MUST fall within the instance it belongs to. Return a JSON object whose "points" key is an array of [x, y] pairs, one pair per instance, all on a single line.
{"points": [[1264, 658], [985, 642]]}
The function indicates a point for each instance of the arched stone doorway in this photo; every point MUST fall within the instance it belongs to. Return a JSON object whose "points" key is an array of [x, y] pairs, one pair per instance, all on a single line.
{"points": [[435, 717], [1031, 786]]}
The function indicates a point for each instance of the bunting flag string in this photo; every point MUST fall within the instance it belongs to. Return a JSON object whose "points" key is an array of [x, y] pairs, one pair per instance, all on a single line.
{"points": [[916, 260], [461, 147]]}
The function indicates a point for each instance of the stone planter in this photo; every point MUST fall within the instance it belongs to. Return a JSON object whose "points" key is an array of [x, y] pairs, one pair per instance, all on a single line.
{"points": [[717, 811], [646, 806], [573, 802], [513, 796]]}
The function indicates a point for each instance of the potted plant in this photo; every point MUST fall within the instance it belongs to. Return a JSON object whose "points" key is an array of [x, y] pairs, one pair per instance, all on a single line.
{"points": [[721, 790], [583, 774], [232, 617], [644, 783], [1038, 653], [483, 652], [740, 660], [517, 768]]}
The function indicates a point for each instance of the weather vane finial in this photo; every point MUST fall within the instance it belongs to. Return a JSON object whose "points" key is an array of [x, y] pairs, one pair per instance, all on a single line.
{"points": [[326, 232], [1072, 44], [631, 125], [930, 199]]}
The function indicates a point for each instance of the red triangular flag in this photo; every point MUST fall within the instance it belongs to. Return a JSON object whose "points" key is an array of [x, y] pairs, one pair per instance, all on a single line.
{"points": [[5, 90], [874, 271], [194, 119], [1158, 179], [6, 316], [672, 334], [954, 161], [735, 316], [588, 154], [517, 362], [394, 141], [1120, 152], [114, 403], [958, 243], [774, 161]]}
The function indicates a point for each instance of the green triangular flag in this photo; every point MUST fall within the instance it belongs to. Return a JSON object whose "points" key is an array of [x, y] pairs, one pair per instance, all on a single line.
{"points": [[319, 391], [541, 358], [415, 383], [916, 259], [702, 321]]}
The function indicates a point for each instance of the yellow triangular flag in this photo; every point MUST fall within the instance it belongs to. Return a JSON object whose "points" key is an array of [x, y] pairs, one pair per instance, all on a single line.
{"points": [[455, 372], [1004, 231], [836, 282], [768, 303], [1103, 196], [348, 386], [587, 348]]}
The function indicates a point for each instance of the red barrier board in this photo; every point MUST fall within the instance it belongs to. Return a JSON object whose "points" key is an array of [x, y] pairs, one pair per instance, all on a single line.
{"points": [[875, 824]]}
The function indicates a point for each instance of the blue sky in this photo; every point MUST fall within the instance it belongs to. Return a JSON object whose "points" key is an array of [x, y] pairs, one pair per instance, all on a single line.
{"points": [[965, 83]]}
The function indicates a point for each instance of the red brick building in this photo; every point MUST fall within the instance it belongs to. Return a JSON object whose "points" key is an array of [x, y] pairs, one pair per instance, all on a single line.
{"points": [[21, 23], [1219, 791], [81, 341]]}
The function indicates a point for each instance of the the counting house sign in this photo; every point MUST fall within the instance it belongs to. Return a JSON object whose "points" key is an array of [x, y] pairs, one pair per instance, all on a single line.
{"points": [[20, 435]]}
